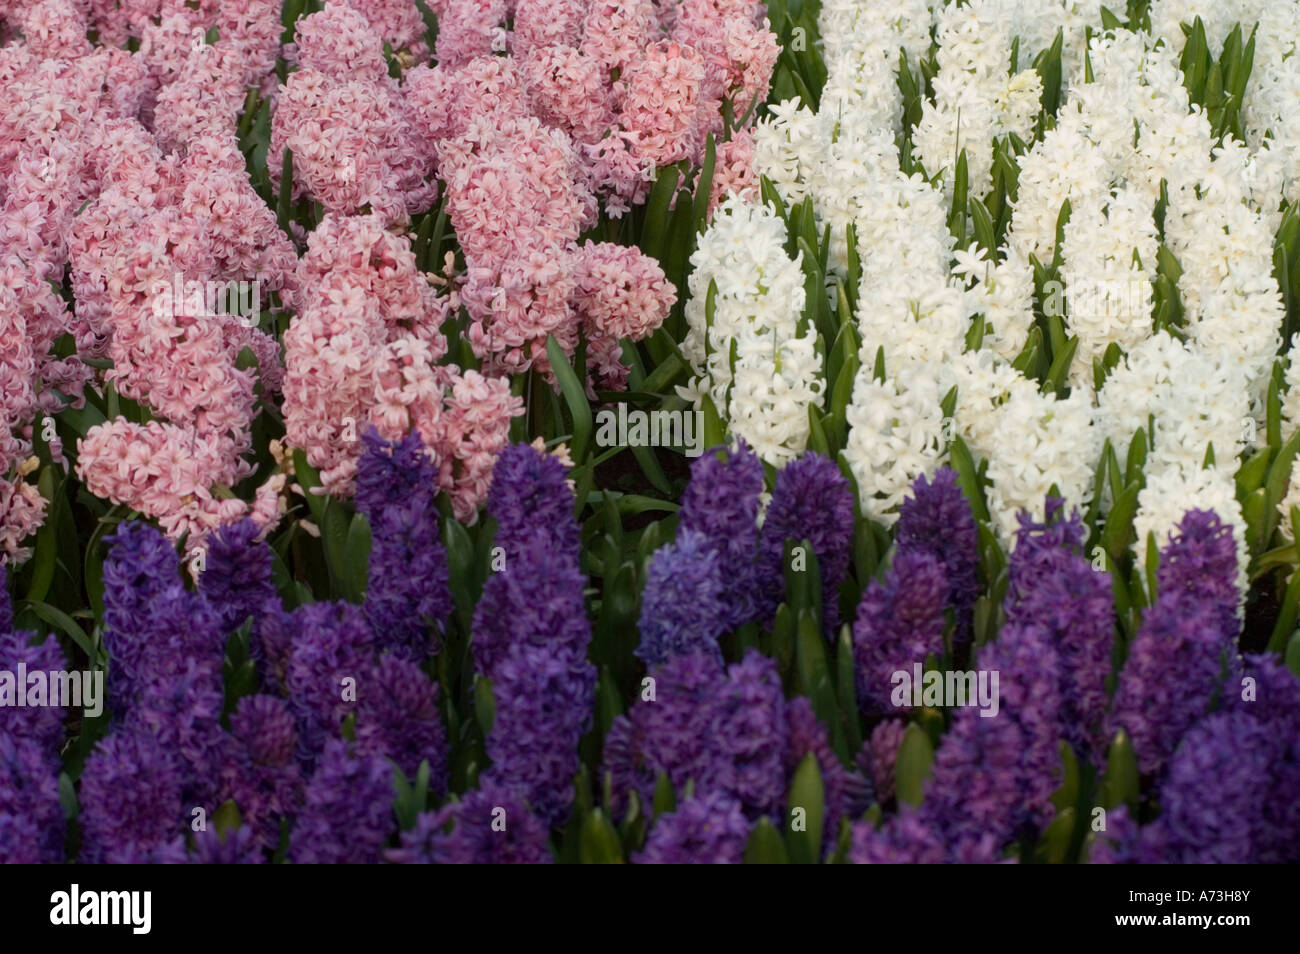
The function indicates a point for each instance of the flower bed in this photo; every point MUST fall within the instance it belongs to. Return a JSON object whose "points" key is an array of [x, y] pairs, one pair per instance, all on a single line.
{"points": [[949, 515]]}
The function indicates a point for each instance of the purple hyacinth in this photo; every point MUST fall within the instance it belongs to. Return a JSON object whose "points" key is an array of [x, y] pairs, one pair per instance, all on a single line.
{"points": [[813, 501], [1054, 586], [530, 493], [408, 588], [721, 502], [724, 730], [681, 606], [151, 622], [130, 797], [347, 816], [1218, 779], [182, 711], [879, 756], [536, 600], [170, 852], [239, 846], [1123, 842], [993, 776], [848, 793], [236, 582], [749, 726], [900, 622], [263, 775], [332, 643], [937, 519], [709, 829], [544, 704], [490, 825], [31, 815], [1201, 558], [906, 839], [43, 724], [1172, 672], [669, 734], [397, 718]]}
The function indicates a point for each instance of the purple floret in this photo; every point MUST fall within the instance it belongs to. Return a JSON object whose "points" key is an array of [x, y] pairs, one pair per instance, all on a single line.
{"points": [[681, 606], [937, 519], [488, 826], [347, 816], [130, 797], [813, 501], [709, 829]]}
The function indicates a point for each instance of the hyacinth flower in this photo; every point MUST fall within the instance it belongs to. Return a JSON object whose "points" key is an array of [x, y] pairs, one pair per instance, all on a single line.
{"points": [[236, 581], [1053, 585], [1201, 558], [31, 817], [992, 777], [544, 700], [721, 502], [262, 773], [489, 825], [347, 815], [937, 519], [536, 600], [408, 586], [332, 643], [813, 502], [41, 724], [879, 756], [237, 846], [900, 622], [682, 611], [530, 494], [131, 799], [1174, 666], [152, 624], [398, 718], [708, 829]]}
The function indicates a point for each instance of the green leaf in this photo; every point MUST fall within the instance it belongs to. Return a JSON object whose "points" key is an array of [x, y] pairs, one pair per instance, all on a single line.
{"points": [[575, 396], [765, 846], [226, 818], [1120, 786], [62, 622], [665, 799], [284, 202], [356, 555], [599, 843], [485, 704], [1293, 653], [815, 678], [806, 813], [912, 770]]}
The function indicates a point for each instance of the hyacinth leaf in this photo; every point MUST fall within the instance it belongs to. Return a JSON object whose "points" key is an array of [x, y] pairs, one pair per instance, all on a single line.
{"points": [[783, 640], [1054, 844], [61, 621], [1273, 406], [715, 434], [912, 770], [805, 815], [1286, 616], [575, 396], [460, 563], [68, 797], [226, 818], [848, 690], [1048, 65], [1119, 524], [765, 846], [704, 185], [815, 679], [665, 799], [657, 215], [1120, 786], [1292, 657], [609, 701], [599, 843], [1068, 793], [46, 549], [1251, 474], [962, 462], [1055, 382], [485, 704], [356, 556]]}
